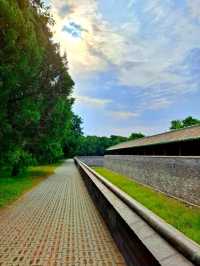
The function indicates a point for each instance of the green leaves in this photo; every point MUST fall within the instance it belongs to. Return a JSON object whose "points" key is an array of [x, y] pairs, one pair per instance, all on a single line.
{"points": [[94, 145], [187, 122], [36, 88]]}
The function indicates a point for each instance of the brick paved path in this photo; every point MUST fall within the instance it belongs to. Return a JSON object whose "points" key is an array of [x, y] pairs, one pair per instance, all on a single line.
{"points": [[56, 224]]}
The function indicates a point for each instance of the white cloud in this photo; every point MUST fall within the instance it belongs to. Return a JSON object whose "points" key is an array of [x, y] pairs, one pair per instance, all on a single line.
{"points": [[146, 52], [123, 114], [92, 102], [157, 104], [99, 46], [83, 13], [149, 74], [194, 8], [154, 63], [147, 130]]}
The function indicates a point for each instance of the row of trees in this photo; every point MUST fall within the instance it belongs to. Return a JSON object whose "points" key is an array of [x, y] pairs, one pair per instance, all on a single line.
{"points": [[93, 145], [36, 118]]}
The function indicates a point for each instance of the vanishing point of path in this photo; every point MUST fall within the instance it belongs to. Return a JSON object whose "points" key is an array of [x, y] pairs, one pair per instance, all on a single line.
{"points": [[56, 224]]}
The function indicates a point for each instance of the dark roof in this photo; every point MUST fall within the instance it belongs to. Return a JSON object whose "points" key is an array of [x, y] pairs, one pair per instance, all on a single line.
{"points": [[183, 134]]}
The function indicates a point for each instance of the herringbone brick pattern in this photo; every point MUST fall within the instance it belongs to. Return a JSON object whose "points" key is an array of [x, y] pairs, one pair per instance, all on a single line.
{"points": [[56, 224]]}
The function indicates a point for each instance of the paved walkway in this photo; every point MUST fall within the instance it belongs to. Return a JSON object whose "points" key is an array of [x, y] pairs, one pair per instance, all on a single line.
{"points": [[56, 224]]}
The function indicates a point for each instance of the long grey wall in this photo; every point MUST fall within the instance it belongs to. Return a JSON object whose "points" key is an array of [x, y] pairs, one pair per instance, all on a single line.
{"points": [[92, 160], [176, 176]]}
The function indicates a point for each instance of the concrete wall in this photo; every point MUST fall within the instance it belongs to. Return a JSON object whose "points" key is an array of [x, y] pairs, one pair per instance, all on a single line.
{"points": [[130, 245], [176, 176], [92, 160]]}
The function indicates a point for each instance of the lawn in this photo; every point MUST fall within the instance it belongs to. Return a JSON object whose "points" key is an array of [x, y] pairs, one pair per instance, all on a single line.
{"points": [[183, 217], [12, 188]]}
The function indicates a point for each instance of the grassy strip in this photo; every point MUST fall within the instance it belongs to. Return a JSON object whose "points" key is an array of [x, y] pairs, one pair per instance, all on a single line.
{"points": [[184, 218], [12, 188]]}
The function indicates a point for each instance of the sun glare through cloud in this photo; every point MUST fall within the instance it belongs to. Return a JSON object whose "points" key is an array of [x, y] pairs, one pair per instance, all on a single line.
{"points": [[142, 56]]}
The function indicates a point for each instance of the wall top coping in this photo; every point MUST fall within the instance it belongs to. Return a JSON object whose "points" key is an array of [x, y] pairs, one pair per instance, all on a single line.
{"points": [[155, 156]]}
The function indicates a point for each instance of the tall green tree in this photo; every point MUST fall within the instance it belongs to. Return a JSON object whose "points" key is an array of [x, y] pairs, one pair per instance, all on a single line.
{"points": [[35, 87], [74, 137]]}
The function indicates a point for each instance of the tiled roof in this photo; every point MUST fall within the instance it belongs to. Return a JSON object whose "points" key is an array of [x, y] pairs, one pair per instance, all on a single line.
{"points": [[188, 133]]}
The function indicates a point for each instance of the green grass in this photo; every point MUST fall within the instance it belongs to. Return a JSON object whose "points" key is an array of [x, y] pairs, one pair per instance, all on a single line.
{"points": [[12, 188], [183, 217]]}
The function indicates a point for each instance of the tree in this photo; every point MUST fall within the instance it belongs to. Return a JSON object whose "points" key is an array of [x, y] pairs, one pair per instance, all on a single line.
{"points": [[136, 136], [190, 121], [73, 137], [35, 87], [117, 139], [187, 122], [176, 124], [20, 60]]}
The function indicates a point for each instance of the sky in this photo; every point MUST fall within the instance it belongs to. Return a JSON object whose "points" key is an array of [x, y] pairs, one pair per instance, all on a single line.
{"points": [[135, 63]]}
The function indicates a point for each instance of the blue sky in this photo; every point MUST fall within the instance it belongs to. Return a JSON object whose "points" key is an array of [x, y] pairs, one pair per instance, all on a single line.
{"points": [[136, 63]]}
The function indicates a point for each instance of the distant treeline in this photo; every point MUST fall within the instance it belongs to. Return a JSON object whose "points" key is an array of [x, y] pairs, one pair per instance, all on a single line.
{"points": [[36, 118], [93, 145]]}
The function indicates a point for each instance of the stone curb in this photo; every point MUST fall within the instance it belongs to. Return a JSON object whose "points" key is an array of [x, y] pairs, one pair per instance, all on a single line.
{"points": [[186, 246]]}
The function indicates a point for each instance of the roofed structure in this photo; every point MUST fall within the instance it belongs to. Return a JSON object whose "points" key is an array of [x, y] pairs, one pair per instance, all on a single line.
{"points": [[184, 141]]}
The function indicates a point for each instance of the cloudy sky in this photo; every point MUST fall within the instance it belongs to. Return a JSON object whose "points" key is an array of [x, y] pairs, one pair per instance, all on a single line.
{"points": [[136, 63]]}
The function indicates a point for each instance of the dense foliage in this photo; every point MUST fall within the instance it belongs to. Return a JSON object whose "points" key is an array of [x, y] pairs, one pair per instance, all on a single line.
{"points": [[93, 145], [35, 88], [187, 122]]}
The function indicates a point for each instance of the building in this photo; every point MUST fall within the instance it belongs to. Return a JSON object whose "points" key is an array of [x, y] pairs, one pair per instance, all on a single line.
{"points": [[181, 142]]}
